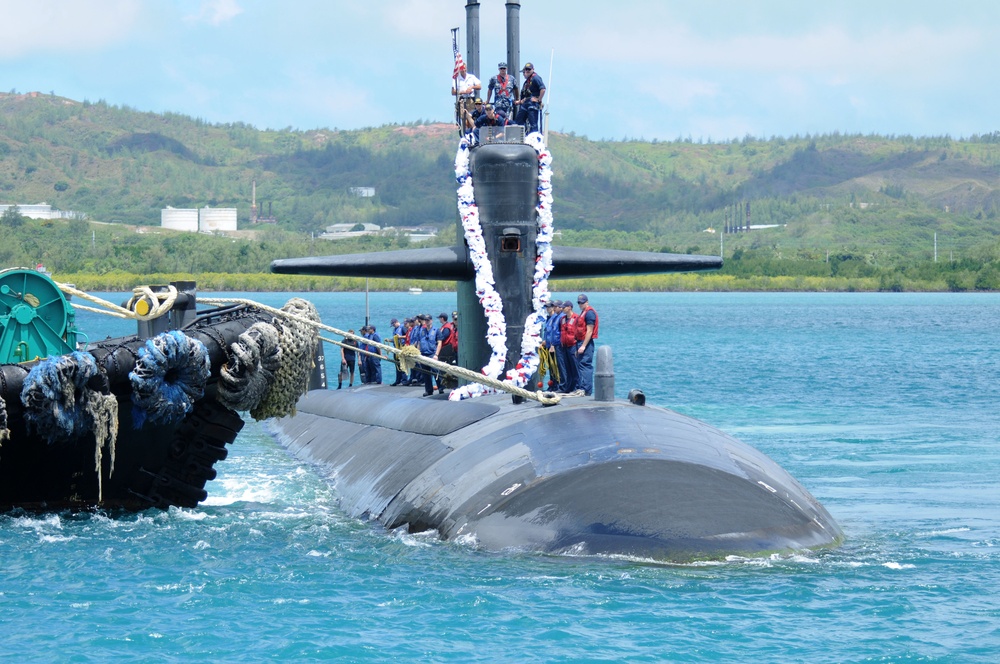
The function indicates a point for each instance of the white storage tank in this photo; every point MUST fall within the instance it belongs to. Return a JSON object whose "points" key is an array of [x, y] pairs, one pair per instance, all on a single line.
{"points": [[216, 219], [179, 219]]}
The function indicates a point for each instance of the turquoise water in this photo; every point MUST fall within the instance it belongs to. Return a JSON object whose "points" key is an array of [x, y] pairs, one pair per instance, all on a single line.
{"points": [[883, 405]]}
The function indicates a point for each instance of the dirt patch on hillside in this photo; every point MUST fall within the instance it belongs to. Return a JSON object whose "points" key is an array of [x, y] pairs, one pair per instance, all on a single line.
{"points": [[432, 130]]}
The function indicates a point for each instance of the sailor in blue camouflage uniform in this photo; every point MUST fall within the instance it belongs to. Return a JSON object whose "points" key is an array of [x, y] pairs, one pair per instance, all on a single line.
{"points": [[501, 91]]}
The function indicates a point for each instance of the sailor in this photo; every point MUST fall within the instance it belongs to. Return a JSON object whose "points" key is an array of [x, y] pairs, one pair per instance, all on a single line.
{"points": [[545, 346], [530, 103], [490, 118], [413, 338], [362, 358], [447, 347], [567, 345], [587, 323], [557, 370], [466, 86], [373, 363], [413, 331], [398, 340], [503, 86], [350, 357], [478, 110], [342, 371], [428, 346]]}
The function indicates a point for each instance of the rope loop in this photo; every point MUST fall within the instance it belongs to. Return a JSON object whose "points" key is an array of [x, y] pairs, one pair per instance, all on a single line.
{"points": [[169, 376], [254, 359], [159, 303]]}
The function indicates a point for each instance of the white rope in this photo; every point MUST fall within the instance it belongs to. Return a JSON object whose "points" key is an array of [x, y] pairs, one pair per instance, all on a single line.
{"points": [[158, 306], [406, 354], [161, 303], [83, 307]]}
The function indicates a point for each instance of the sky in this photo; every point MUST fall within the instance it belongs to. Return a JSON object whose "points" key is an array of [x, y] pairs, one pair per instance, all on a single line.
{"points": [[709, 70]]}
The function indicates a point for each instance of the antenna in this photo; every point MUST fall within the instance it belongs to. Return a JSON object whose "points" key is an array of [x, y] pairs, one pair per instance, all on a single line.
{"points": [[548, 95]]}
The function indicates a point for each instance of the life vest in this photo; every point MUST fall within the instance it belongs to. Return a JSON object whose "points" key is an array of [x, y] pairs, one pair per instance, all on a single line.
{"points": [[581, 324], [452, 339], [567, 331]]}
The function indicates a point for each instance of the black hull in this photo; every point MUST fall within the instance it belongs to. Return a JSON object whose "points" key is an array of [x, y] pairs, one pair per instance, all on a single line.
{"points": [[584, 477], [154, 466]]}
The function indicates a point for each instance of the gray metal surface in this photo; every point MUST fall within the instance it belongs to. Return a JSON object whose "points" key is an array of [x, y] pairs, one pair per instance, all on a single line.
{"points": [[584, 477]]}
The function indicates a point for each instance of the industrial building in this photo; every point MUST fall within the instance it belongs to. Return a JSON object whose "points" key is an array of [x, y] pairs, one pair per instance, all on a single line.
{"points": [[42, 211], [212, 219], [179, 219], [206, 219]]}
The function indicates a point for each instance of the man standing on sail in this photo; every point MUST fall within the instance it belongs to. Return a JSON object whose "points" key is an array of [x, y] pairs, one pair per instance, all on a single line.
{"points": [[466, 86], [503, 87], [530, 103]]}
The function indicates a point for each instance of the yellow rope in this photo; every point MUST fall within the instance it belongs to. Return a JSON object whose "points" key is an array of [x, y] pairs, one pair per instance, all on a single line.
{"points": [[548, 364]]}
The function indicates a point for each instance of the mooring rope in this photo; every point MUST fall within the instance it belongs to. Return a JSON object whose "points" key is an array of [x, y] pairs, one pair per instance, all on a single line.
{"points": [[408, 355], [160, 303]]}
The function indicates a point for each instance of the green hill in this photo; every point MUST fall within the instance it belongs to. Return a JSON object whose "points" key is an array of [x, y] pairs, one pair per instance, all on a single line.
{"points": [[881, 198]]}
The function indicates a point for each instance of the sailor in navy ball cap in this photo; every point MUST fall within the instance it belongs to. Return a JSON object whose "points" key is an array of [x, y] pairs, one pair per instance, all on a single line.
{"points": [[587, 324]]}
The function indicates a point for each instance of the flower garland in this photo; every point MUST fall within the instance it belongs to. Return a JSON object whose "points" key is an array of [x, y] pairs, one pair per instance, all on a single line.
{"points": [[496, 325]]}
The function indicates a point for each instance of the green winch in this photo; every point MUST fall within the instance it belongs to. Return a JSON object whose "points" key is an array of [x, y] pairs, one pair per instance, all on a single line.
{"points": [[36, 320]]}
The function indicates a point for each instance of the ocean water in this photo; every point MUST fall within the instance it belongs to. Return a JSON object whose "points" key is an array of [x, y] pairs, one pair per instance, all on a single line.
{"points": [[885, 406]]}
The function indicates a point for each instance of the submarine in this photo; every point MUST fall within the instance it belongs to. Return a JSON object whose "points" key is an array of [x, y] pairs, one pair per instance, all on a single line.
{"points": [[584, 476]]}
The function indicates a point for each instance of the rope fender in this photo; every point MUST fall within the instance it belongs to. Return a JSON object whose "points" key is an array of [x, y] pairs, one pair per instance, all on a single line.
{"points": [[254, 359], [67, 396], [297, 336], [169, 376], [57, 393]]}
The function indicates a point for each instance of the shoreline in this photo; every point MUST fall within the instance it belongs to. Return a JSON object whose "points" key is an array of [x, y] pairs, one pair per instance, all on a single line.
{"points": [[687, 282]]}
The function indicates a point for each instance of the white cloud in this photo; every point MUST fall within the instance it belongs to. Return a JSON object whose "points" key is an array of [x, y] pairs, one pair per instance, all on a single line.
{"points": [[677, 92], [65, 25], [912, 53], [216, 12], [419, 18], [332, 100]]}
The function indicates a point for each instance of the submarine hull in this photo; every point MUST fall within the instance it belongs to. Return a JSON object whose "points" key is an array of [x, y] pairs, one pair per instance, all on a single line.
{"points": [[584, 478]]}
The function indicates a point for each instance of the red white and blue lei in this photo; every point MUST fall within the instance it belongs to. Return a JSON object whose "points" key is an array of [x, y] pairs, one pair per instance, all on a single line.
{"points": [[496, 325]]}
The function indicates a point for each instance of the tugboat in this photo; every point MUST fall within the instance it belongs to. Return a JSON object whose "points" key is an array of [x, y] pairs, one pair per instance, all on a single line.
{"points": [[582, 476], [138, 421]]}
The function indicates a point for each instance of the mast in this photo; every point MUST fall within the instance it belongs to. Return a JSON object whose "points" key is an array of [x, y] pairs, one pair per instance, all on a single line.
{"points": [[472, 36], [514, 38]]}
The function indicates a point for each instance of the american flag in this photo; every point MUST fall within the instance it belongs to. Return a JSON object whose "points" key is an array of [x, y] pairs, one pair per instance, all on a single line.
{"points": [[459, 62]]}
